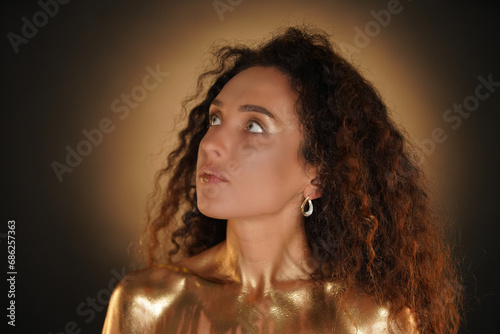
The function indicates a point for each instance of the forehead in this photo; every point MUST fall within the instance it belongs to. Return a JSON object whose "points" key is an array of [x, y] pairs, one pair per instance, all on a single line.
{"points": [[264, 86]]}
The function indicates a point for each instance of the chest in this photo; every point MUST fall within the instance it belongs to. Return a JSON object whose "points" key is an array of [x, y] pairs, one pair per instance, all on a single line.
{"points": [[222, 309]]}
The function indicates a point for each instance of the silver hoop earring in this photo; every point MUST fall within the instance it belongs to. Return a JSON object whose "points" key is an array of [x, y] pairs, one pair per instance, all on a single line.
{"points": [[309, 209]]}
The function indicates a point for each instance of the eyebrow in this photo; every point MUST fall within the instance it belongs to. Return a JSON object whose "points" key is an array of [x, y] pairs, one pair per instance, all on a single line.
{"points": [[247, 107]]}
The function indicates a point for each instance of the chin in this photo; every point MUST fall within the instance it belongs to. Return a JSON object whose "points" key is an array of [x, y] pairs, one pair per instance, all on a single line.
{"points": [[215, 214], [212, 209]]}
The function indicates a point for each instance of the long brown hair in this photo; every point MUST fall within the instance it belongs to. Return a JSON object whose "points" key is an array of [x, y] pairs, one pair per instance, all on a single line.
{"points": [[372, 227]]}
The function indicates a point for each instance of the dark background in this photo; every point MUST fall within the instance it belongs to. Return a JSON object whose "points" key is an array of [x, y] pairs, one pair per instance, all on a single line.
{"points": [[72, 237]]}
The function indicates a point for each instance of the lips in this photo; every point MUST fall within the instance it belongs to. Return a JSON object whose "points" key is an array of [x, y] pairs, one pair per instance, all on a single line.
{"points": [[211, 175]]}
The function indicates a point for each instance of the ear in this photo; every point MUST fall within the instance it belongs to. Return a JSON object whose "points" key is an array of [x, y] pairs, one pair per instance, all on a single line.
{"points": [[313, 188]]}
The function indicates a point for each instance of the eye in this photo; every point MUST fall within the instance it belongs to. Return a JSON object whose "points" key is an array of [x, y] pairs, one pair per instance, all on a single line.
{"points": [[213, 119], [255, 127]]}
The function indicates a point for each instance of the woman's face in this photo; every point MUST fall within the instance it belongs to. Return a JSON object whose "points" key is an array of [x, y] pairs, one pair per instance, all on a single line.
{"points": [[248, 162]]}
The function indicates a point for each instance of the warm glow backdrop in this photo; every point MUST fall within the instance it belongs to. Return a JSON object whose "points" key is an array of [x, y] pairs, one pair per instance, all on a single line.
{"points": [[73, 75]]}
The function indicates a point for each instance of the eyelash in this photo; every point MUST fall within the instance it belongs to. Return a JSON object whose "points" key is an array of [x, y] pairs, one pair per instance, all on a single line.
{"points": [[212, 115]]}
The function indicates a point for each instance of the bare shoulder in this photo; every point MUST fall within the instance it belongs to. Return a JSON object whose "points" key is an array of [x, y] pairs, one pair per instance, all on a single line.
{"points": [[142, 295], [155, 278], [370, 316]]}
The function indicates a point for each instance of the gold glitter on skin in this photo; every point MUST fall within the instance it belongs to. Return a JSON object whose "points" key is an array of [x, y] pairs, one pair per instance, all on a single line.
{"points": [[171, 299]]}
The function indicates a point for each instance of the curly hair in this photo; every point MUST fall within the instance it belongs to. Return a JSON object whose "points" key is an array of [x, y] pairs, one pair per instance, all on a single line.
{"points": [[372, 227]]}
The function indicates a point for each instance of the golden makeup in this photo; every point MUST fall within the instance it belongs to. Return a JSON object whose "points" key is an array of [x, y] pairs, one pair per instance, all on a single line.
{"points": [[171, 299]]}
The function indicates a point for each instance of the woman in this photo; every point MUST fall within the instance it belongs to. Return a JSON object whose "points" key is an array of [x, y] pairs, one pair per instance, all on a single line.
{"points": [[301, 209]]}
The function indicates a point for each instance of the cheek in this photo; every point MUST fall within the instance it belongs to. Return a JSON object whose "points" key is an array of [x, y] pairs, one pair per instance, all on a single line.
{"points": [[272, 164]]}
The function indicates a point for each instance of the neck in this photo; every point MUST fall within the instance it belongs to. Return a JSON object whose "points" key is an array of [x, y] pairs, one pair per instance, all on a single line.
{"points": [[260, 252]]}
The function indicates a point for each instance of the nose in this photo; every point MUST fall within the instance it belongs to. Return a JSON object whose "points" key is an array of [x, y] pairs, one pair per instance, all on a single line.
{"points": [[215, 143]]}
